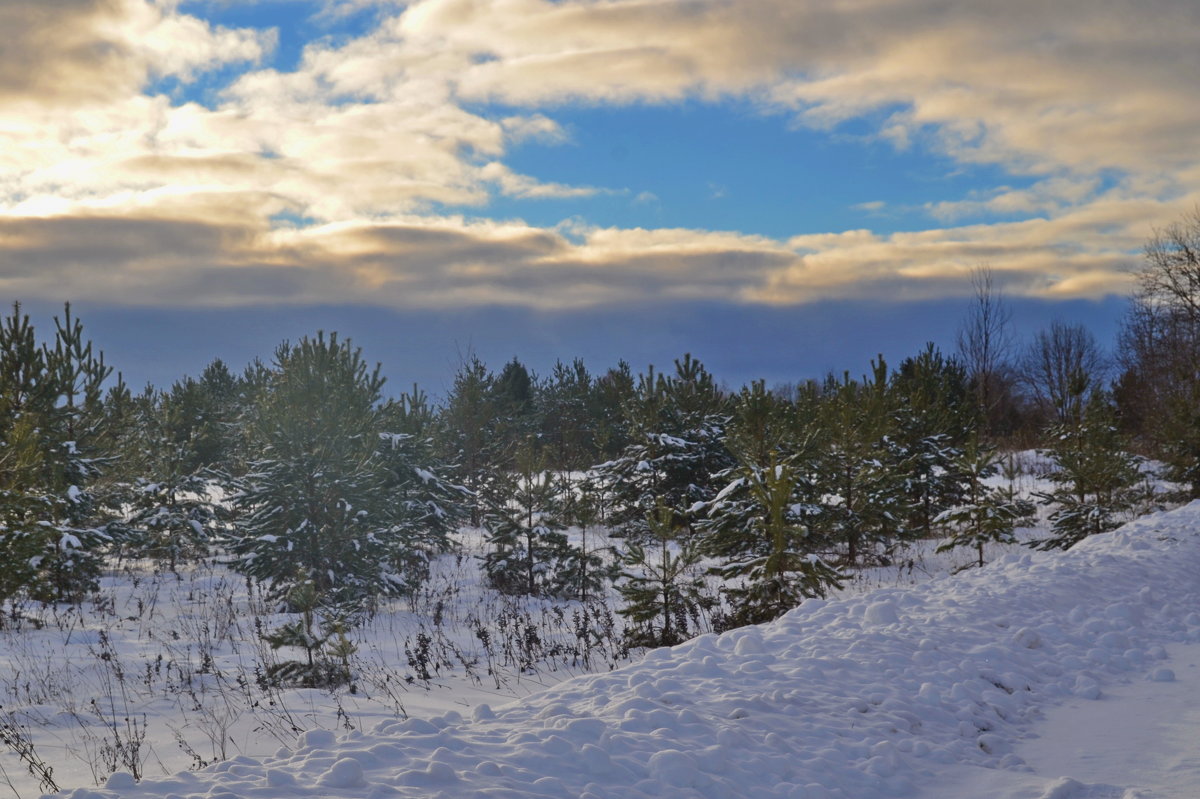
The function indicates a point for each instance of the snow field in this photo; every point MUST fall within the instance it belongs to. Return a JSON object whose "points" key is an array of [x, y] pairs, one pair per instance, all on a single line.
{"points": [[882, 695]]}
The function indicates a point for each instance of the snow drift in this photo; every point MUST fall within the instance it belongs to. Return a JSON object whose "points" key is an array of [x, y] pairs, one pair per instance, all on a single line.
{"points": [[889, 694]]}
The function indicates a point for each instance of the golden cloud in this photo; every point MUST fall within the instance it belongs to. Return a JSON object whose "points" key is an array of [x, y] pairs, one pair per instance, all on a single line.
{"points": [[221, 249], [68, 52], [320, 185]]}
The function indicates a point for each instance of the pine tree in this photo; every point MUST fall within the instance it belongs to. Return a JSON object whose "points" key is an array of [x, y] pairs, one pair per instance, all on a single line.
{"points": [[73, 565], [862, 481], [425, 502], [677, 429], [762, 429], [206, 416], [530, 553], [468, 431], [1179, 432], [314, 504], [764, 524], [664, 596], [568, 417], [612, 394], [174, 515], [934, 415], [52, 528], [771, 548], [24, 506], [1094, 474], [586, 567], [986, 514], [932, 482], [250, 392], [326, 648], [582, 571], [514, 405]]}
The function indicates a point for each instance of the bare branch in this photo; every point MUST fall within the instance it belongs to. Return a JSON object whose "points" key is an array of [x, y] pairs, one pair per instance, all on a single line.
{"points": [[985, 343]]}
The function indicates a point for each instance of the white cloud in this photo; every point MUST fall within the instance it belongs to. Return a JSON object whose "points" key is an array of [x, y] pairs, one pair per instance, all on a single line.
{"points": [[1048, 196], [514, 185], [64, 53], [221, 249], [1098, 103], [1035, 85]]}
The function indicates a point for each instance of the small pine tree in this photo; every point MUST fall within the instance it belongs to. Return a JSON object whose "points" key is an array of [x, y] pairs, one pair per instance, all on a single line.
{"points": [[1011, 470], [426, 506], [568, 416], [1179, 432], [932, 481], [663, 594], [468, 432], [933, 418], [326, 648], [986, 514], [587, 568], [173, 514], [677, 429], [771, 551], [530, 553], [581, 571], [512, 398], [611, 394], [173, 521], [1094, 473], [861, 476]]}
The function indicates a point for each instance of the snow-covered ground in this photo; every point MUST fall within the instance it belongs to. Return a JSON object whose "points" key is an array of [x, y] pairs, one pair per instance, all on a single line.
{"points": [[159, 672], [1043, 676]]}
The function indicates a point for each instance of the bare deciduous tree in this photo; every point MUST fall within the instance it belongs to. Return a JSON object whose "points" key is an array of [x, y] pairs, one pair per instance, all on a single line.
{"points": [[985, 347], [1062, 367], [1159, 388], [1171, 275]]}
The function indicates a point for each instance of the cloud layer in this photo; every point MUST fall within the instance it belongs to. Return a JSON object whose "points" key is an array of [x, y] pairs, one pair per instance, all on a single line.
{"points": [[324, 184]]}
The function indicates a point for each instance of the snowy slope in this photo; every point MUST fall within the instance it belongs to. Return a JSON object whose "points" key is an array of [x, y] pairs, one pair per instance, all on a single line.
{"points": [[938, 690]]}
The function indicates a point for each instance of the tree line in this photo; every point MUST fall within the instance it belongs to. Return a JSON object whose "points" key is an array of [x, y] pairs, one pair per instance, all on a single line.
{"points": [[305, 476]]}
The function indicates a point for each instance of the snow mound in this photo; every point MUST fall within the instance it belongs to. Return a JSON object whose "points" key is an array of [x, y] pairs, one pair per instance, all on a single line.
{"points": [[865, 697]]}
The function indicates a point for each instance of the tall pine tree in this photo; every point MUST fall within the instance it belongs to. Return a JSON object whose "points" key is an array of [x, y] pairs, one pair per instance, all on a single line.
{"points": [[314, 504], [864, 486], [52, 525], [763, 525]]}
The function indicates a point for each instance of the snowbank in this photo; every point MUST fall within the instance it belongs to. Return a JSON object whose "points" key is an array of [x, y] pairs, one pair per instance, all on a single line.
{"points": [[882, 695]]}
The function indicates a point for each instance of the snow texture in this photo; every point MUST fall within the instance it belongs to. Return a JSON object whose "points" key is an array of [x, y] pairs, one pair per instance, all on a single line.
{"points": [[939, 690]]}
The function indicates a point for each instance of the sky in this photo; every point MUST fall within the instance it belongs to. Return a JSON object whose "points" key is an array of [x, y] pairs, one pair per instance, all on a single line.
{"points": [[780, 187]]}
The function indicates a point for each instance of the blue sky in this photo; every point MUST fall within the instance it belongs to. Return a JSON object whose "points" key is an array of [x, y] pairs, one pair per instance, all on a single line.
{"points": [[727, 165], [294, 23], [779, 186], [778, 345]]}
